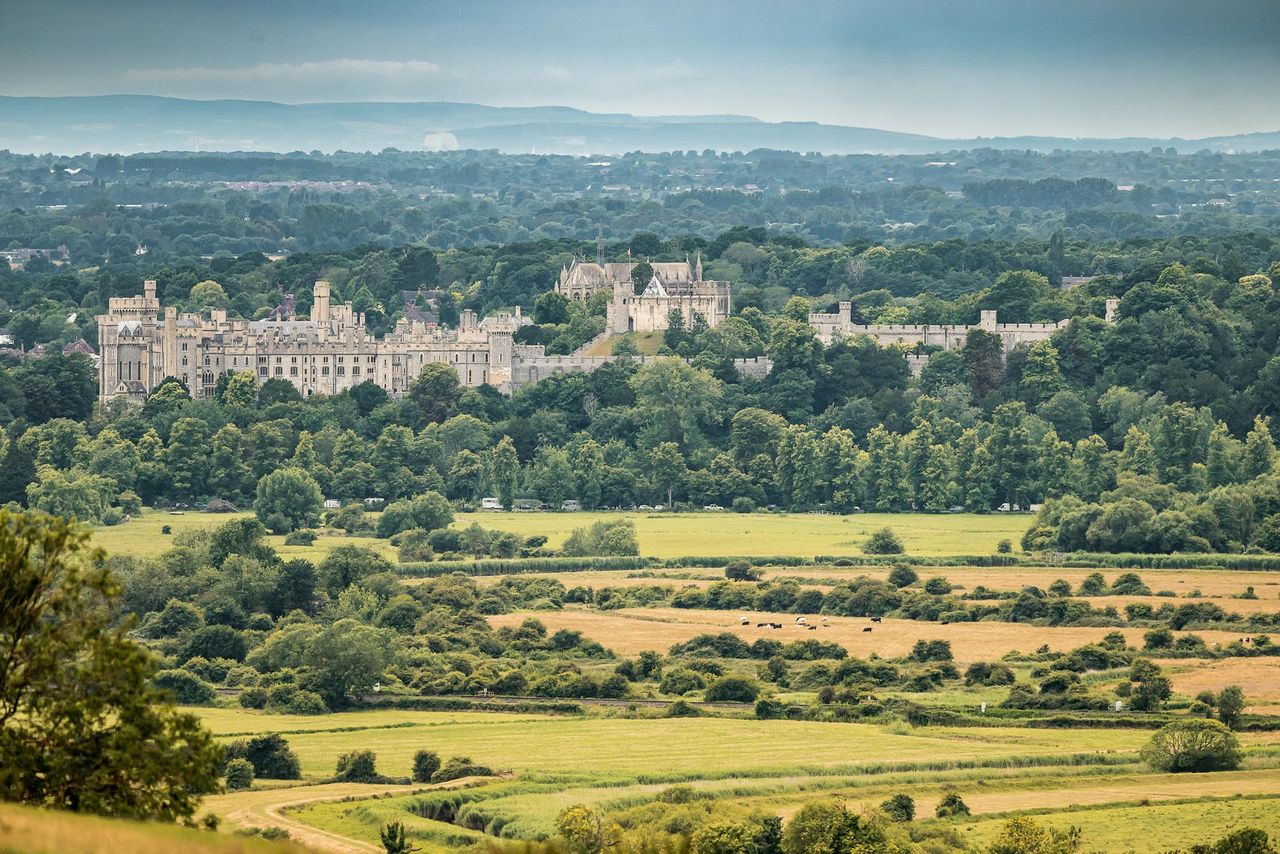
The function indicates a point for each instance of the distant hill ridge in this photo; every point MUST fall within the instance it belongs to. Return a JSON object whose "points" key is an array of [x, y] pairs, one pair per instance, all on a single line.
{"points": [[128, 124]]}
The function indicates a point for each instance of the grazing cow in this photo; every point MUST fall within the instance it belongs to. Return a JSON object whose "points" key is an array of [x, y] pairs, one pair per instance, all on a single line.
{"points": [[867, 629], [745, 621], [775, 625], [875, 619], [801, 620], [762, 625], [825, 620], [946, 622]]}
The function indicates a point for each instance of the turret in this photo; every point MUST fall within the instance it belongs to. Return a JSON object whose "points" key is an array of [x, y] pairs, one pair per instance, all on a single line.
{"points": [[320, 302], [149, 289]]}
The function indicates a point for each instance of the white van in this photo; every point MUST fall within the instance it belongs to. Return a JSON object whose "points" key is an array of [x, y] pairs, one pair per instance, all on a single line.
{"points": [[490, 504], [570, 506]]}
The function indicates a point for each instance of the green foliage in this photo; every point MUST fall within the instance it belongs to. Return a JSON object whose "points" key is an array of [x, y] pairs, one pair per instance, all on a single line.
{"points": [[358, 766], [899, 807], [425, 764], [603, 538], [951, 805], [59, 638], [269, 755], [1194, 745], [238, 774], [883, 542], [287, 499]]}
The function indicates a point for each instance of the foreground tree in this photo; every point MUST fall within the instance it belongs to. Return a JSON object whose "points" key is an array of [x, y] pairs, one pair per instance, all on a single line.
{"points": [[80, 726], [288, 499]]}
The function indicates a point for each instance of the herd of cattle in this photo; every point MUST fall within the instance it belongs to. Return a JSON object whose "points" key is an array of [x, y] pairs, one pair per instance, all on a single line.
{"points": [[801, 623]]}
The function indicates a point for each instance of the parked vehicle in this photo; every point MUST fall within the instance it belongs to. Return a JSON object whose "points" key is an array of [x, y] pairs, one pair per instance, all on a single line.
{"points": [[490, 504]]}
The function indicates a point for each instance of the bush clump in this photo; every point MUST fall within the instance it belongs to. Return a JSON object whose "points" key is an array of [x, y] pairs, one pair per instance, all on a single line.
{"points": [[884, 542], [425, 765], [1193, 744], [239, 775]]}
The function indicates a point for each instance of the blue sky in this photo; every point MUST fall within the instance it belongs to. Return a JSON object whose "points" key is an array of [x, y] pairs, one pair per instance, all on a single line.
{"points": [[959, 68]]}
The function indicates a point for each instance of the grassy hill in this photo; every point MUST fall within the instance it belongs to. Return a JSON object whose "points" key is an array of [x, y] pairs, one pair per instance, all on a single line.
{"points": [[24, 830]]}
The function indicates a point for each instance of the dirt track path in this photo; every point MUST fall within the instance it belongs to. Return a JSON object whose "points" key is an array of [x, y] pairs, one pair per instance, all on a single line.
{"points": [[266, 808]]}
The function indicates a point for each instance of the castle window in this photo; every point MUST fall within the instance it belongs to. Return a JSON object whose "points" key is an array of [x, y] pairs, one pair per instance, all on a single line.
{"points": [[279, 370], [184, 345], [262, 372], [324, 372], [293, 372], [184, 361], [341, 370], [355, 372]]}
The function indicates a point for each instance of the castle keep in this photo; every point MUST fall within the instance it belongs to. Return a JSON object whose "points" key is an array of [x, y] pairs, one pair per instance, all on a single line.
{"points": [[645, 306]]}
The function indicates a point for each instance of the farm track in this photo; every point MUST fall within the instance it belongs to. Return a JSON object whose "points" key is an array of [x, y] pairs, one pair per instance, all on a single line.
{"points": [[266, 808]]}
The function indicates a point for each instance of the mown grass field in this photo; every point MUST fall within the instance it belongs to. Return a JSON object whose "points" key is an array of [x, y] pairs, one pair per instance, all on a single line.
{"points": [[805, 535], [692, 748], [660, 535], [1153, 828]]}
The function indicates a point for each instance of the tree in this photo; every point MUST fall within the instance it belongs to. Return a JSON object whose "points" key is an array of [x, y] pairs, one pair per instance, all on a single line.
{"points": [[1230, 705], [393, 839], [741, 571], [187, 457], [827, 826], [429, 511], [951, 805], [358, 766], [1022, 835], [504, 466], [585, 832], [674, 400], [667, 469], [1015, 293], [733, 689], [883, 542], [435, 392], [347, 565], [425, 764], [288, 499], [239, 774], [241, 390], [120, 749], [270, 756], [345, 660], [900, 807], [723, 838], [1193, 744], [603, 538]]}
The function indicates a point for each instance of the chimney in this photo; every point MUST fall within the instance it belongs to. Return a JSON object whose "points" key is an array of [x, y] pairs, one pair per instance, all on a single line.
{"points": [[320, 302]]}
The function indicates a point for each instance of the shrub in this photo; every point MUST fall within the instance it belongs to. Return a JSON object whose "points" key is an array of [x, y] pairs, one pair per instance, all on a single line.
{"points": [[186, 688], [305, 703], [358, 766], [1193, 744], [603, 538], [951, 805], [1004, 547], [741, 571], [681, 709], [743, 504], [414, 545], [428, 511], [458, 767], [680, 680], [938, 586], [425, 765], [239, 774], [270, 756], [300, 538], [253, 698], [734, 689], [166, 529], [902, 576], [901, 807], [883, 542]]}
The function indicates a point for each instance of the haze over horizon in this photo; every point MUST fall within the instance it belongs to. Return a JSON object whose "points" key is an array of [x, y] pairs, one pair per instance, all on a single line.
{"points": [[995, 68]]}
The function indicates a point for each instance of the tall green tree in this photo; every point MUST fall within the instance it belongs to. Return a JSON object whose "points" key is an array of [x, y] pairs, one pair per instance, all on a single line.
{"points": [[120, 749]]}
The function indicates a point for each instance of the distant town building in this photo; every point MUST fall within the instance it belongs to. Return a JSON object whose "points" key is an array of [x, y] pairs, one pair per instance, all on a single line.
{"points": [[646, 306]]}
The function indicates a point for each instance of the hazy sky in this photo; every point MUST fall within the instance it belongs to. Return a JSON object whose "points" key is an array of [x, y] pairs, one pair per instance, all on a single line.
{"points": [[942, 67]]}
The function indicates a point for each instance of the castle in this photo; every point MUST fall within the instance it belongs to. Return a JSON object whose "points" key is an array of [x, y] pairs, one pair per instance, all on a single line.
{"points": [[673, 286], [829, 326], [141, 343]]}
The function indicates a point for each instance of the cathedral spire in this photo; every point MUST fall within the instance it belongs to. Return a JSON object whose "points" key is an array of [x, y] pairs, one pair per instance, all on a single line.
{"points": [[697, 270]]}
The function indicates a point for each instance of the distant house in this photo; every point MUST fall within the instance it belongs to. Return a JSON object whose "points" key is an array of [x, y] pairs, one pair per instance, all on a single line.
{"points": [[1069, 282], [6, 337]]}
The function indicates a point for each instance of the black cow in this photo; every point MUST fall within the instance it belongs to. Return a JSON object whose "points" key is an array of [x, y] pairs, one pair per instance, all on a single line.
{"points": [[867, 629]]}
